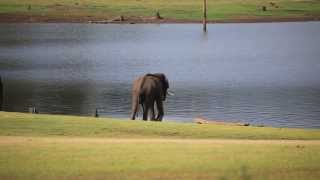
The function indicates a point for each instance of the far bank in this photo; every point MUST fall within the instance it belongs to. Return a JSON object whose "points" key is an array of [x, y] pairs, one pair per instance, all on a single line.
{"points": [[140, 11], [21, 18]]}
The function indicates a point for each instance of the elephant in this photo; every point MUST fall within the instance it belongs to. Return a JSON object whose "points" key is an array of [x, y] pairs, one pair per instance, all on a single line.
{"points": [[147, 91]]}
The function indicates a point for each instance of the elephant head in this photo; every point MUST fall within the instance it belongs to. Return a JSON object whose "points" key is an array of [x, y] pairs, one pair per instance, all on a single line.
{"points": [[164, 81]]}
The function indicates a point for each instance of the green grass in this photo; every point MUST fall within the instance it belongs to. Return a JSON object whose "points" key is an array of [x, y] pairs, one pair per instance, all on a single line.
{"points": [[20, 124], [70, 147], [81, 158], [186, 9]]}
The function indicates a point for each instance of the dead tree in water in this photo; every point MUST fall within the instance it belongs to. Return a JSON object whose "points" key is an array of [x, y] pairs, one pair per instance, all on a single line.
{"points": [[204, 15]]}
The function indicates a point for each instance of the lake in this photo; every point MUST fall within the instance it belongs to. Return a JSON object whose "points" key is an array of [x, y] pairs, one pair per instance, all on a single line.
{"points": [[261, 73]]}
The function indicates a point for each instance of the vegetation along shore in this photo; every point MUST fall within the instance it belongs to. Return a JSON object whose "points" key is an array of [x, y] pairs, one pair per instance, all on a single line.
{"points": [[157, 11], [34, 146]]}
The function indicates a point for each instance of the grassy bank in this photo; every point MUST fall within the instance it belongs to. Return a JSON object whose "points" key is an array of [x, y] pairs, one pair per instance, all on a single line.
{"points": [[69, 147], [20, 124], [223, 10]]}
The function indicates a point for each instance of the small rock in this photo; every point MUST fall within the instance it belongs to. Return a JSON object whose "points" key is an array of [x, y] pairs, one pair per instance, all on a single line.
{"points": [[121, 18], [264, 8], [298, 146]]}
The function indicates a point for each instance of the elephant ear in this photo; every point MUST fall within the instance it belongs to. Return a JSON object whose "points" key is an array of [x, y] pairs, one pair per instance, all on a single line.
{"points": [[165, 83], [163, 79]]}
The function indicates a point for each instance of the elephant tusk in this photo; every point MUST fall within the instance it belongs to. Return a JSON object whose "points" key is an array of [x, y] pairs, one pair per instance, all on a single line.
{"points": [[170, 93]]}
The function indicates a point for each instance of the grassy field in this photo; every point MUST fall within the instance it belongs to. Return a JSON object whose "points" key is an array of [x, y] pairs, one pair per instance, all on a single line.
{"points": [[174, 9], [69, 147], [99, 158]]}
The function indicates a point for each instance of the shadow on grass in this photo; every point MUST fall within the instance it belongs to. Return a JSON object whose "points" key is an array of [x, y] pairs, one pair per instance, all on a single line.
{"points": [[244, 174]]}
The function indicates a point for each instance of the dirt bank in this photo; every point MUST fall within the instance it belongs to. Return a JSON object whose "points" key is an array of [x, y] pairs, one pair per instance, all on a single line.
{"points": [[22, 18]]}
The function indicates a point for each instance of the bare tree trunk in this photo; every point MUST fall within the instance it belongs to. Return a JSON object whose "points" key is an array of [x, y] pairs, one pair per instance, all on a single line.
{"points": [[204, 15]]}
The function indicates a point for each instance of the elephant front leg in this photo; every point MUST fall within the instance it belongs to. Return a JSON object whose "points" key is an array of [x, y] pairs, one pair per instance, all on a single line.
{"points": [[160, 110], [145, 112]]}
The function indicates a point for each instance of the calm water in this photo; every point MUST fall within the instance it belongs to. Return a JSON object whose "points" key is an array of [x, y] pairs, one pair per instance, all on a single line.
{"points": [[266, 73]]}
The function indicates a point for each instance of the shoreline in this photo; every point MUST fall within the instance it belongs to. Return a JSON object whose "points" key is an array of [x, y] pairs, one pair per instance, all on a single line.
{"points": [[20, 18]]}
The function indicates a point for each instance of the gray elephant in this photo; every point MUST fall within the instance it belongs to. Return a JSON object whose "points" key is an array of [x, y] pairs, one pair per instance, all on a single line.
{"points": [[147, 91]]}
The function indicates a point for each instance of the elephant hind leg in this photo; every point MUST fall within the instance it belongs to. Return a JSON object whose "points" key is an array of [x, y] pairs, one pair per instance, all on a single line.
{"points": [[152, 116], [135, 104], [134, 112]]}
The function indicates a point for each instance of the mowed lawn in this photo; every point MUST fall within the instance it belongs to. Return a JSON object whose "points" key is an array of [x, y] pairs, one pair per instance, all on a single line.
{"points": [[175, 9], [70, 147]]}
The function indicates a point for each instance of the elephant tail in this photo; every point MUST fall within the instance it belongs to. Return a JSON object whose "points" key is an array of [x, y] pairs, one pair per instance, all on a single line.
{"points": [[138, 99], [135, 106]]}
